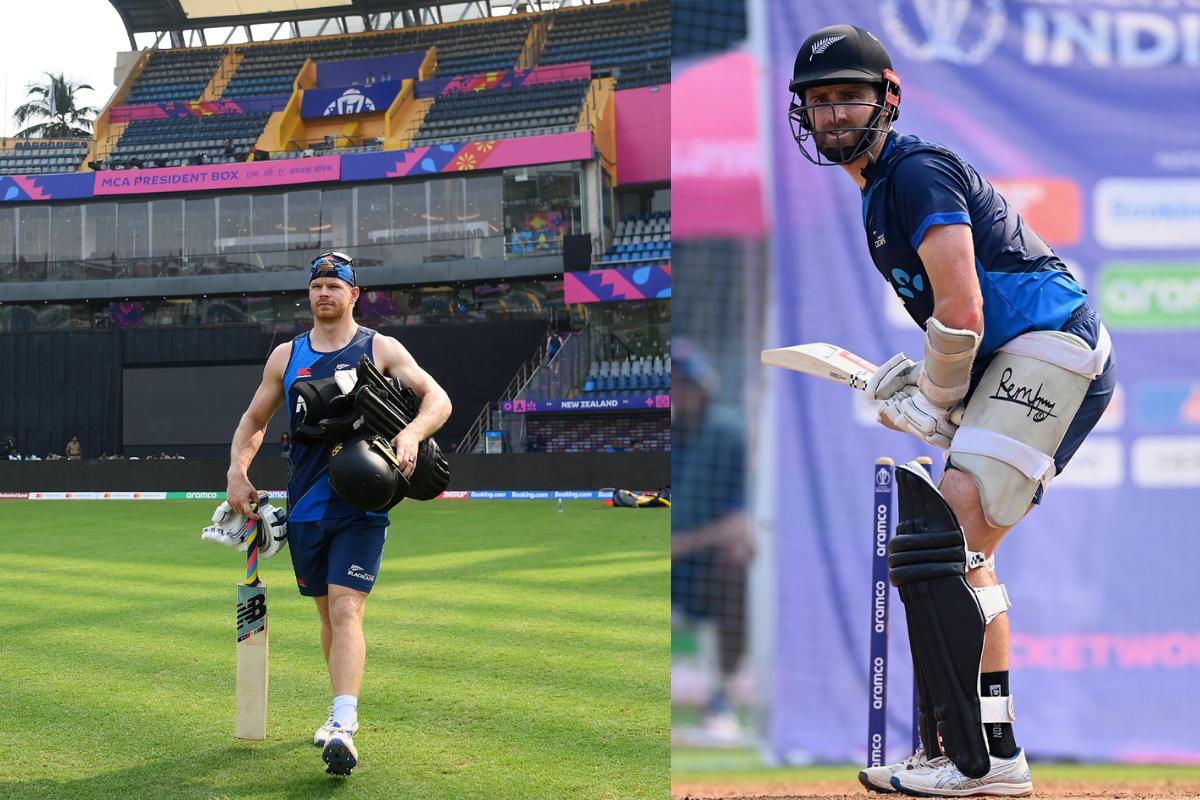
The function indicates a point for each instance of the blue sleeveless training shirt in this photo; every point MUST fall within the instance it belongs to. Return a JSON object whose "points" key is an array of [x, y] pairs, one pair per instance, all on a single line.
{"points": [[310, 497], [915, 185]]}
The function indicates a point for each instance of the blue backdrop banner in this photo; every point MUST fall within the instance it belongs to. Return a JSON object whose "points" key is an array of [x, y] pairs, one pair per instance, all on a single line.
{"points": [[1083, 115], [357, 71], [348, 100]]}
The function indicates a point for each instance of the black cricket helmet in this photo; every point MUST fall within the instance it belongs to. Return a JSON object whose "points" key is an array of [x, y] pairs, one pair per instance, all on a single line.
{"points": [[365, 472], [834, 55]]}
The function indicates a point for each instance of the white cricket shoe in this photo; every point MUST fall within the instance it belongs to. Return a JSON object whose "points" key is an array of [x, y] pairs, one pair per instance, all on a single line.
{"points": [[322, 733], [879, 779], [340, 755], [940, 778]]}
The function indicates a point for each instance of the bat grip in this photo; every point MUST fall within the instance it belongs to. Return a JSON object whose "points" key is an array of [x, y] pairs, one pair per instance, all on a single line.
{"points": [[252, 550]]}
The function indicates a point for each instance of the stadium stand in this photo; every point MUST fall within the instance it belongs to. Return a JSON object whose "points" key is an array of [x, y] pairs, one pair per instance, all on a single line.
{"points": [[631, 41], [268, 69], [40, 156], [504, 113], [640, 239], [176, 142], [567, 433], [175, 75], [628, 376]]}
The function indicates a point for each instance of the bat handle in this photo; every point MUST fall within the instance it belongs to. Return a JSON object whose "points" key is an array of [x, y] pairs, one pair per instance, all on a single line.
{"points": [[252, 554], [956, 414]]}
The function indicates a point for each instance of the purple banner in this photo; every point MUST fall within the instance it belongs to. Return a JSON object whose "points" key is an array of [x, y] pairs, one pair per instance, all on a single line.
{"points": [[649, 402], [1105, 641], [199, 108], [349, 100], [23, 188], [358, 71], [489, 154], [504, 79], [602, 285], [217, 176]]}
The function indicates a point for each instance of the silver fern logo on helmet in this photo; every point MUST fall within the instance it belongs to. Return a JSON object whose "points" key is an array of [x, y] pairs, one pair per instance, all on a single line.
{"points": [[821, 45]]}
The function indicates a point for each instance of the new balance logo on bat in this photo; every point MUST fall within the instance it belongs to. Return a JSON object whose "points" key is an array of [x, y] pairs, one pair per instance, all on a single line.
{"points": [[252, 610]]}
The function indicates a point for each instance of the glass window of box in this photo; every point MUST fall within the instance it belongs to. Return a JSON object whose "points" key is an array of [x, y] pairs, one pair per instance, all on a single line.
{"points": [[373, 223], [166, 229], [408, 210], [337, 223], [99, 240], [33, 242], [541, 205], [8, 241], [373, 214], [133, 230], [408, 222], [304, 222], [66, 227], [483, 213], [200, 230], [269, 236], [233, 224]]}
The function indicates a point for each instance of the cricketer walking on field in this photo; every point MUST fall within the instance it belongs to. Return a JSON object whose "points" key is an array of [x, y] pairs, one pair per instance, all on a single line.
{"points": [[341, 483], [1010, 335]]}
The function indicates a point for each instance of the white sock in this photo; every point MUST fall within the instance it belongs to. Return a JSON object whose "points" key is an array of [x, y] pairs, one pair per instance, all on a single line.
{"points": [[345, 710]]}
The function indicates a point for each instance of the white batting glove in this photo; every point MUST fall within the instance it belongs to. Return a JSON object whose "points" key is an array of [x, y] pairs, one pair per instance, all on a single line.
{"points": [[892, 377], [272, 530], [229, 528], [233, 529], [911, 412]]}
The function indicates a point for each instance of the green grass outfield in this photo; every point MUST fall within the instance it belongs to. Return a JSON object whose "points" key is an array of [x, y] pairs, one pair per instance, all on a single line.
{"points": [[513, 652], [699, 766]]}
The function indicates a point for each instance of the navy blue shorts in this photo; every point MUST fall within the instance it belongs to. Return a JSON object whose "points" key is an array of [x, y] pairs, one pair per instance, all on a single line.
{"points": [[346, 551], [1084, 322]]}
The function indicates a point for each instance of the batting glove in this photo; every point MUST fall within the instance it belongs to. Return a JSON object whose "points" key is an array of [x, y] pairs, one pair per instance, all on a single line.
{"points": [[893, 377]]}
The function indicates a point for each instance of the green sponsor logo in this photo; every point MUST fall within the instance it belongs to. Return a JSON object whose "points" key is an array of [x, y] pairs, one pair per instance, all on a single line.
{"points": [[203, 495], [1150, 295]]}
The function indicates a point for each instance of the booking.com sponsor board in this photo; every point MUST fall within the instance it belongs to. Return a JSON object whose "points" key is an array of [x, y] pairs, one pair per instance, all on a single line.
{"points": [[1083, 116], [278, 494]]}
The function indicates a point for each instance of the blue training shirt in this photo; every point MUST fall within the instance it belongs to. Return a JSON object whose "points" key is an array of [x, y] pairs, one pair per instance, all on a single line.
{"points": [[310, 497], [916, 184]]}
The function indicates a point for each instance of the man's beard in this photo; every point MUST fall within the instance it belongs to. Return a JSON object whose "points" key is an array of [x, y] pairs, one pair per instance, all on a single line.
{"points": [[840, 151]]}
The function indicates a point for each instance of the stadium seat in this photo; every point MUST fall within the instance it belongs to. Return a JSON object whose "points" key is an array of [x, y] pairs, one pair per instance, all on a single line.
{"points": [[633, 247], [503, 113], [39, 156]]}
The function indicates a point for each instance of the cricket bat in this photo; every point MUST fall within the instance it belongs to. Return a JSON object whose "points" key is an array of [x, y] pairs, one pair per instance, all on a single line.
{"points": [[832, 363], [252, 643], [822, 360]]}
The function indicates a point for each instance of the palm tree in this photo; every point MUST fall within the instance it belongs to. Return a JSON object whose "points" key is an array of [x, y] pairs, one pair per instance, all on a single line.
{"points": [[54, 101]]}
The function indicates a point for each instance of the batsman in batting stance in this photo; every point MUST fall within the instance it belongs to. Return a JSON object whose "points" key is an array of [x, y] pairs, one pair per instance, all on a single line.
{"points": [[1009, 334], [362, 413]]}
